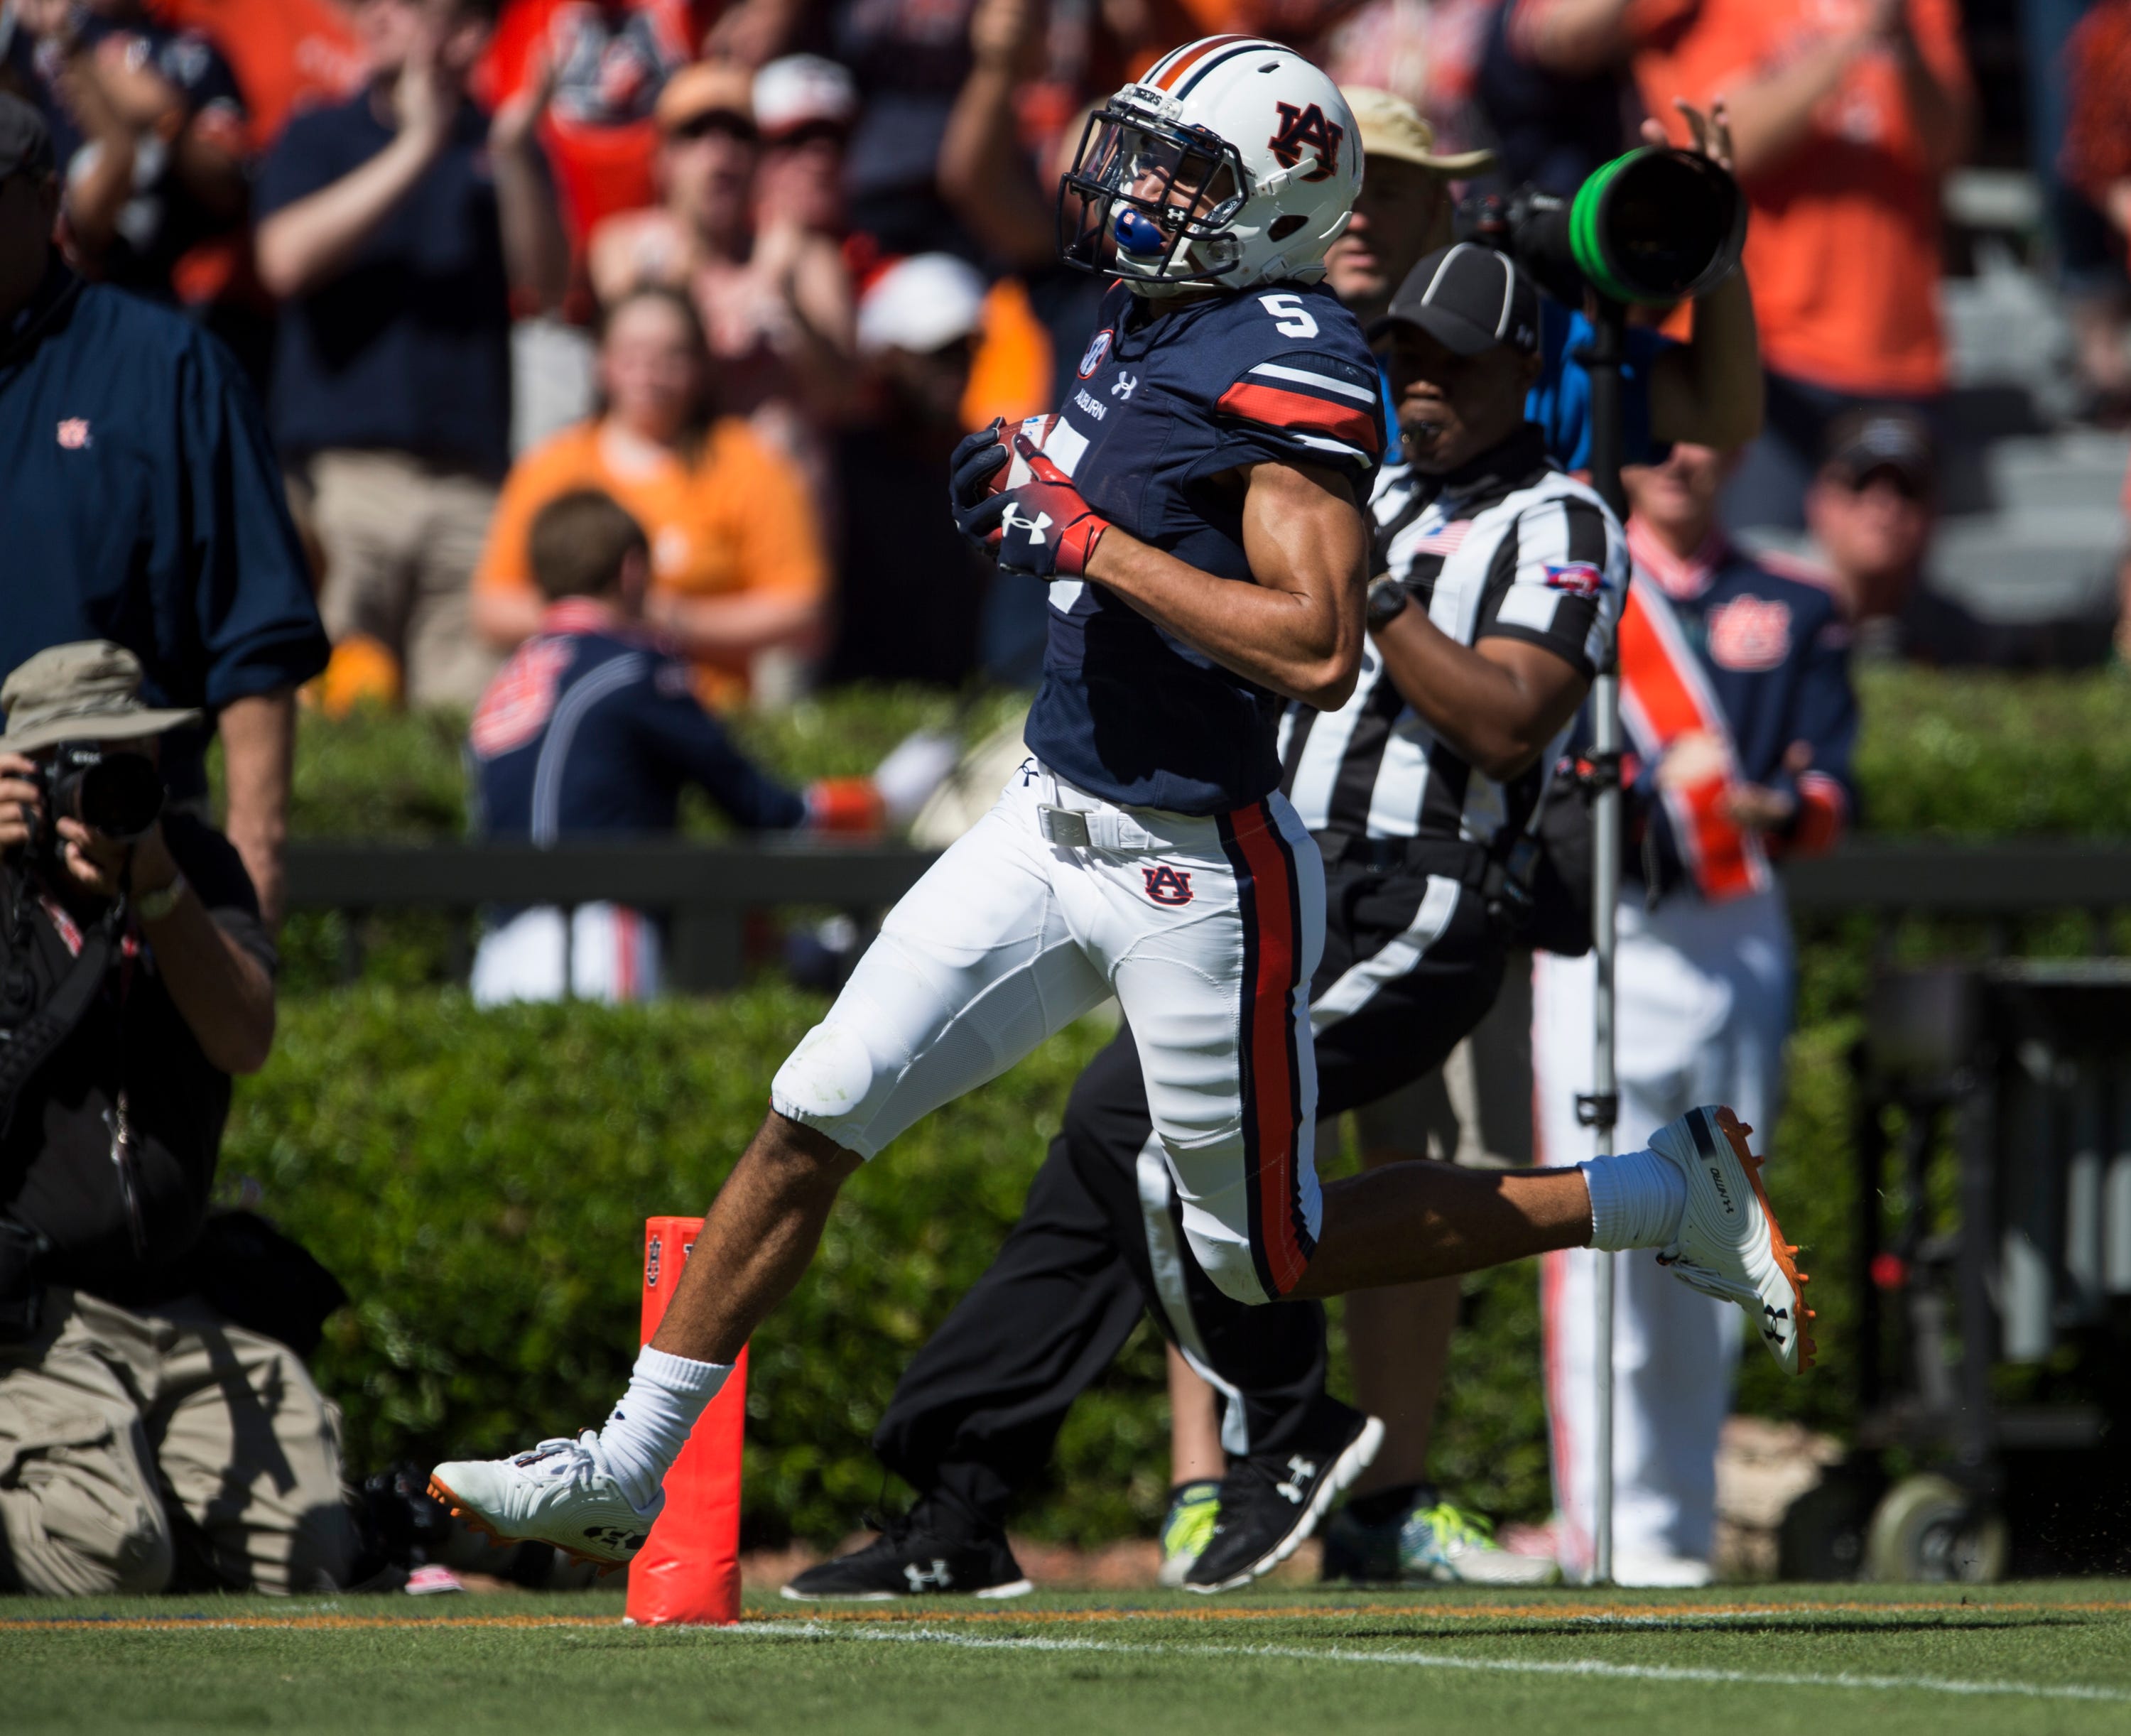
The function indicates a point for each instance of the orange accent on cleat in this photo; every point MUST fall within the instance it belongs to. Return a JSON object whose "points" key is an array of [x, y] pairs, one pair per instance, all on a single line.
{"points": [[1736, 1130], [496, 1540]]}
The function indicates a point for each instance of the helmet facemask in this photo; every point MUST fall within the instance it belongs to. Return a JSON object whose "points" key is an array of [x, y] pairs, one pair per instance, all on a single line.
{"points": [[1152, 202]]}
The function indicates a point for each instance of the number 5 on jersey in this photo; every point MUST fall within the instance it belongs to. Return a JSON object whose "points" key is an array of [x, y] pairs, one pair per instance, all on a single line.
{"points": [[1292, 319]]}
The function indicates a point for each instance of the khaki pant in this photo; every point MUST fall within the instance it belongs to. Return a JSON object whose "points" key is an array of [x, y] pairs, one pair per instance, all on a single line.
{"points": [[401, 538], [138, 1446]]}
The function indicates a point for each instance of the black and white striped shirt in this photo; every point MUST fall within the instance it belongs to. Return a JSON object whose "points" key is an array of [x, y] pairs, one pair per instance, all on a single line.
{"points": [[1509, 547]]}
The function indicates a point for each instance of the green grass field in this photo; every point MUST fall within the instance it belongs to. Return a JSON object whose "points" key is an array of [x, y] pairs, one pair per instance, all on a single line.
{"points": [[1756, 1662]]}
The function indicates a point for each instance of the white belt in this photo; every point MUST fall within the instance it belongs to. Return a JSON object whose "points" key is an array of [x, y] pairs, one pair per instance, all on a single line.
{"points": [[1065, 823]]}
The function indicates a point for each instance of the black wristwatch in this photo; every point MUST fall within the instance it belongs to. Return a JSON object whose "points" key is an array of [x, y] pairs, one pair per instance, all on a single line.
{"points": [[1388, 597]]}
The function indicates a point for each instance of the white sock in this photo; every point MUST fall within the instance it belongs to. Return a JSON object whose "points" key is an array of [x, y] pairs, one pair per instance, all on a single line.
{"points": [[1636, 1199], [644, 1434]]}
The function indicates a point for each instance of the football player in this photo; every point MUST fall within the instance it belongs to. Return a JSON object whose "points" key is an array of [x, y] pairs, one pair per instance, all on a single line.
{"points": [[1196, 511]]}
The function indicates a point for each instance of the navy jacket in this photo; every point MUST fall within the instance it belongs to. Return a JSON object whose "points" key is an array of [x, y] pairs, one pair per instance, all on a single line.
{"points": [[591, 728], [140, 501]]}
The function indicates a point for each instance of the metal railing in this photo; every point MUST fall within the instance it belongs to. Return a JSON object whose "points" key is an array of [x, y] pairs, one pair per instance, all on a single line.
{"points": [[707, 892]]}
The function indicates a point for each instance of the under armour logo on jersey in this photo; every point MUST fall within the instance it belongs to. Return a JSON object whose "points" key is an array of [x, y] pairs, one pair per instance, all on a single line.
{"points": [[939, 1579], [1034, 527], [1127, 384], [1165, 885], [1300, 1471], [1302, 129]]}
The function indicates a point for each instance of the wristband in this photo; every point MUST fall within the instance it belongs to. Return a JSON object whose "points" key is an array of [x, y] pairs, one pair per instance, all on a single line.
{"points": [[154, 907]]}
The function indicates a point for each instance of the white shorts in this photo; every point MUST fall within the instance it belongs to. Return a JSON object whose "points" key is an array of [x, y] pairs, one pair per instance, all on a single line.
{"points": [[1207, 929], [608, 952]]}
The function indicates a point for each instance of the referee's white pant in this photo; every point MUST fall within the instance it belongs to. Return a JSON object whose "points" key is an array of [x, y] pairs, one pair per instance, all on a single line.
{"points": [[1207, 929], [1704, 1005]]}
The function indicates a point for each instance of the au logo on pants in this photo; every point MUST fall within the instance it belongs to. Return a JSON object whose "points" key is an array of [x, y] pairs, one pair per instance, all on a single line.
{"points": [[1165, 885]]}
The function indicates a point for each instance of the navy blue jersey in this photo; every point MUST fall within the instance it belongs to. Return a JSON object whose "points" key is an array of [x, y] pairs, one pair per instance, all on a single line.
{"points": [[1170, 404], [591, 728]]}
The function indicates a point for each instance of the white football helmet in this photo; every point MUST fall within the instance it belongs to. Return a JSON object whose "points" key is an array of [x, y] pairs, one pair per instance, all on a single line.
{"points": [[1233, 161]]}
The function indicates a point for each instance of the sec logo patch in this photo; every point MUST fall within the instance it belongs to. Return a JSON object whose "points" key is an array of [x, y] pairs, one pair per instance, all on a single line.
{"points": [[1098, 347], [1750, 634]]}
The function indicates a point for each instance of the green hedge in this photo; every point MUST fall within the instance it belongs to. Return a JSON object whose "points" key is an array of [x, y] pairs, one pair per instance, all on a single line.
{"points": [[1960, 754], [479, 1181]]}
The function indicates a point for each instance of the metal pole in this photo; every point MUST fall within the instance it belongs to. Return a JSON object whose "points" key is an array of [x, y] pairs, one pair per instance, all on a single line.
{"points": [[1600, 1110]]}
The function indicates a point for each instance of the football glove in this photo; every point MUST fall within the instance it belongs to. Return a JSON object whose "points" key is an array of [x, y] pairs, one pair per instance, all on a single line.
{"points": [[976, 473], [1043, 528]]}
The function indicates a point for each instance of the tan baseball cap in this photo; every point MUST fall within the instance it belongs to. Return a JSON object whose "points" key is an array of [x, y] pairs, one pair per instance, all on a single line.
{"points": [[89, 691], [707, 87], [1390, 126]]}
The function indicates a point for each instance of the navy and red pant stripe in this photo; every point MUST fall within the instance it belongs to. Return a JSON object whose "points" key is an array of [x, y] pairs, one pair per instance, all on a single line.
{"points": [[1269, 900]]}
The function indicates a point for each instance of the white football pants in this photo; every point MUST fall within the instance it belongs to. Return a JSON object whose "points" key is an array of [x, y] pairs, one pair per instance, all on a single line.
{"points": [[1704, 1005], [1206, 929]]}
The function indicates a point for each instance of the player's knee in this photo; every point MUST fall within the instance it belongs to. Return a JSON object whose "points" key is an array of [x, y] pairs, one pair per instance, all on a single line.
{"points": [[825, 1084], [1227, 1259]]}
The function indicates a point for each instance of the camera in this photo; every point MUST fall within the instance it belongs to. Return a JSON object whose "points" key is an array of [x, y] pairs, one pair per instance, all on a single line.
{"points": [[117, 793], [1657, 225]]}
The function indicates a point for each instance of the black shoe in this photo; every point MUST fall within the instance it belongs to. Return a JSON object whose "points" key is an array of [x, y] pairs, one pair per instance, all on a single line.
{"points": [[1270, 1503], [912, 1559]]}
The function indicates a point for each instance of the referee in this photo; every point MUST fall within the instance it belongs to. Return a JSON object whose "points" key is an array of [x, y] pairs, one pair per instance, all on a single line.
{"points": [[1500, 579]]}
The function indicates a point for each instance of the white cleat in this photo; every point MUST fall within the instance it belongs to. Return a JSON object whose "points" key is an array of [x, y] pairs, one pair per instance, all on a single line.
{"points": [[561, 1493], [1729, 1245]]}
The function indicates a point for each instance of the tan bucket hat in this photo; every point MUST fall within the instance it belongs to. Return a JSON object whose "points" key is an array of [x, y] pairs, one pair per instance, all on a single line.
{"points": [[89, 691], [1390, 126]]}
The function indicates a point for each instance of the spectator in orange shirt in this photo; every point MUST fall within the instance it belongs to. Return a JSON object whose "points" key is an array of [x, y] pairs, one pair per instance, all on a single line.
{"points": [[1845, 115], [737, 559]]}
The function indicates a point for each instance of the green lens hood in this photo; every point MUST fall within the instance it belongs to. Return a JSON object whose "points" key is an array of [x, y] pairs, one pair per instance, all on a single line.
{"points": [[1585, 227]]}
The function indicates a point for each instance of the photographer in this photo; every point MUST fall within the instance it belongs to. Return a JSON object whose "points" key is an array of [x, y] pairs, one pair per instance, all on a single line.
{"points": [[144, 1436]]}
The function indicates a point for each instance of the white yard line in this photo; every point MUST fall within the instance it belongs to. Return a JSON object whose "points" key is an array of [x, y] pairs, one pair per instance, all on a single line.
{"points": [[1587, 1667]]}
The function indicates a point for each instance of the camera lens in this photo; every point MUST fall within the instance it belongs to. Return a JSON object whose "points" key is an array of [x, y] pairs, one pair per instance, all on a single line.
{"points": [[1657, 226], [119, 794]]}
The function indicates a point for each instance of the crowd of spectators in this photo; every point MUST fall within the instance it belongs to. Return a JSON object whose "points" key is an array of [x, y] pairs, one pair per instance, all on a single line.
{"points": [[749, 268]]}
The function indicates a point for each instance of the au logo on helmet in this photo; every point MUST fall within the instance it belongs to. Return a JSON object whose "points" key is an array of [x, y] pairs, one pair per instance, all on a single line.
{"points": [[1304, 128]]}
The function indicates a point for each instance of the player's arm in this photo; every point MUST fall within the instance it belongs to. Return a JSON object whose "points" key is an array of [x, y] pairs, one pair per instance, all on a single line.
{"points": [[1499, 703], [675, 730], [1298, 630]]}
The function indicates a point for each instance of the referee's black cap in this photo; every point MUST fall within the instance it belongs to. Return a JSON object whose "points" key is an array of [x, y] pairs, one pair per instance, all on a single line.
{"points": [[25, 143], [1468, 298]]}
